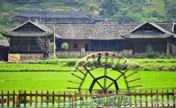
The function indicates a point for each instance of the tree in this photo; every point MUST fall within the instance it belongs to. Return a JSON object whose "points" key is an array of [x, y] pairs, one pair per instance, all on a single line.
{"points": [[126, 17], [64, 46], [170, 9], [1, 5], [110, 7]]}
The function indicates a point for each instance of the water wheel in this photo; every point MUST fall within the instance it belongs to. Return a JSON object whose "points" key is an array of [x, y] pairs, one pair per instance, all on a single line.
{"points": [[103, 71]]}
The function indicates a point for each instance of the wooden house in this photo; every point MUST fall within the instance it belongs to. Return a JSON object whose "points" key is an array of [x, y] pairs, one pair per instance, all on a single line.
{"points": [[132, 37], [32, 37], [61, 17]]}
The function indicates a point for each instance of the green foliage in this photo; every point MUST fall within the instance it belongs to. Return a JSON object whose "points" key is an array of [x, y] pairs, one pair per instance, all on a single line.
{"points": [[170, 9], [52, 46], [150, 53], [64, 46], [110, 7]]}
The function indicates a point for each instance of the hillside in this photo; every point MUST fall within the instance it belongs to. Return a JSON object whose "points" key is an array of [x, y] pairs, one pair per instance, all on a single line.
{"points": [[119, 10]]}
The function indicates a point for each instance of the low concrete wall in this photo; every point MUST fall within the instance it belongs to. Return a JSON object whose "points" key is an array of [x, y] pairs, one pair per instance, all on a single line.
{"points": [[79, 54]]}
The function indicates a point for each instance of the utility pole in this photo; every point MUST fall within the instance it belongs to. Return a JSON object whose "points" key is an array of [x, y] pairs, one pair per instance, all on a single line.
{"points": [[54, 43]]}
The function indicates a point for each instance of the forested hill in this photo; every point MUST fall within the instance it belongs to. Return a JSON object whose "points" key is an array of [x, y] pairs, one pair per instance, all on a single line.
{"points": [[119, 10]]}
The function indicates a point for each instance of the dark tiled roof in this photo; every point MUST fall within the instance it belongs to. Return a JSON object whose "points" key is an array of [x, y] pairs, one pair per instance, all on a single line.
{"points": [[54, 14], [148, 34], [163, 33], [46, 31], [4, 43], [26, 34], [167, 26], [92, 31]]}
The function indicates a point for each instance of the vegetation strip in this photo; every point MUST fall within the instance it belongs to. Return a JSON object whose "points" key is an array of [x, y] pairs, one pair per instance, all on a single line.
{"points": [[35, 70]]}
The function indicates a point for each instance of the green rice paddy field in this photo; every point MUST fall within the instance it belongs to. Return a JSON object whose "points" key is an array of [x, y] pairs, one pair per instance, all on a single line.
{"points": [[57, 81]]}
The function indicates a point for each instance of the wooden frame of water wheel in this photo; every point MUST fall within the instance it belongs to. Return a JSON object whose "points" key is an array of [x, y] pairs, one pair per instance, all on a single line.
{"points": [[97, 63]]}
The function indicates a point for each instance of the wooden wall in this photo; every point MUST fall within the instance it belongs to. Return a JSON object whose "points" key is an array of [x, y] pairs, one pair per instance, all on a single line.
{"points": [[159, 45], [24, 45]]}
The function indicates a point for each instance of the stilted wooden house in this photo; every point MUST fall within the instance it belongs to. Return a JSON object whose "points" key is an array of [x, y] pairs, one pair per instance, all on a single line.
{"points": [[159, 35], [133, 38], [29, 38]]}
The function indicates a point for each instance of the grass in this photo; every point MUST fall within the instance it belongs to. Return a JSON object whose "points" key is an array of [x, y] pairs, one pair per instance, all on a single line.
{"points": [[58, 81], [23, 80]]}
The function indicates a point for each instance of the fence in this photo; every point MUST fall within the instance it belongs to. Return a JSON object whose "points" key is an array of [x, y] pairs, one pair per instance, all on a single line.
{"points": [[80, 54], [100, 100]]}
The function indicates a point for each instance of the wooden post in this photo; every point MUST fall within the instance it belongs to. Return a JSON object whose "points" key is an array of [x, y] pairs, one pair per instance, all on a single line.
{"points": [[25, 98], [59, 99], [47, 98], [8, 98], [42, 98], [72, 99], [36, 98], [162, 98], [168, 104], [173, 98], [64, 98], [86, 98], [140, 98], [2, 99], [151, 98], [135, 98], [146, 101], [18, 100], [70, 96], [13, 98], [31, 98], [124, 99], [129, 99], [53, 99], [168, 46]]}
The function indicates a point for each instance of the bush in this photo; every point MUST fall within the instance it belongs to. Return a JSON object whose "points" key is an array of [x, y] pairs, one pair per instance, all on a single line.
{"points": [[71, 63], [150, 53], [64, 46]]}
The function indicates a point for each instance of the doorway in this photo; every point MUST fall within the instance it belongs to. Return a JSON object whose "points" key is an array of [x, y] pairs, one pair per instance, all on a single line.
{"points": [[86, 47]]}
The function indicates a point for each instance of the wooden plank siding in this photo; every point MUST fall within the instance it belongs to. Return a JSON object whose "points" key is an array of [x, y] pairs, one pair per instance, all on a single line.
{"points": [[24, 45]]}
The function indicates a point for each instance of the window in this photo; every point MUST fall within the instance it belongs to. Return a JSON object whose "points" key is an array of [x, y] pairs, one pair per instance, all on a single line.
{"points": [[49, 19], [46, 20], [75, 45], [61, 21], [73, 21], [53, 20], [112, 43]]}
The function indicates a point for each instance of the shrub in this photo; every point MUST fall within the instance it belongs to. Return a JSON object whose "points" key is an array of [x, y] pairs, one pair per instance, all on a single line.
{"points": [[149, 52], [71, 63], [64, 46]]}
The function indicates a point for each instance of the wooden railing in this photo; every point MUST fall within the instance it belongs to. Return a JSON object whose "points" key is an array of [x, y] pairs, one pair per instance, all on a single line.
{"points": [[20, 99]]}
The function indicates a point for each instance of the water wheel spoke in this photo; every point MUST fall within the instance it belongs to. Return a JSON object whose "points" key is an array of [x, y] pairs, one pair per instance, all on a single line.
{"points": [[93, 77], [116, 79], [134, 80], [80, 70], [103, 61], [73, 82], [131, 74]]}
